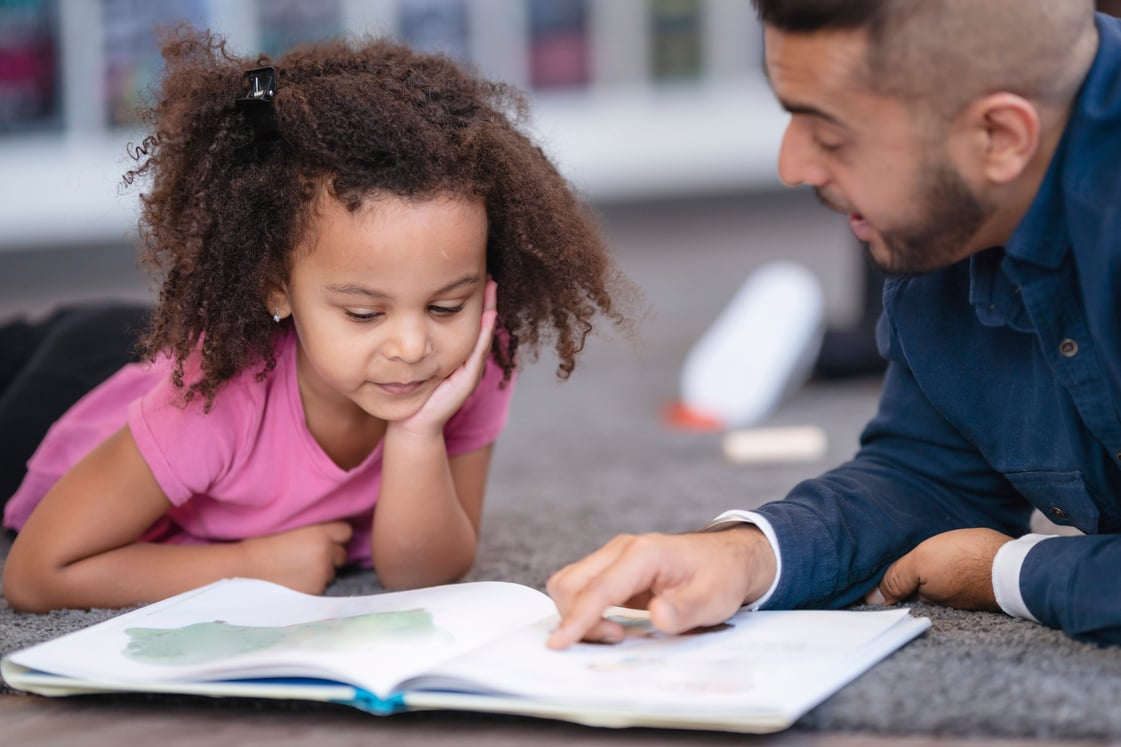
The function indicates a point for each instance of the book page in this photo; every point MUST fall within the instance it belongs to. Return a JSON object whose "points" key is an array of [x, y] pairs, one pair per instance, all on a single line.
{"points": [[780, 662], [243, 628]]}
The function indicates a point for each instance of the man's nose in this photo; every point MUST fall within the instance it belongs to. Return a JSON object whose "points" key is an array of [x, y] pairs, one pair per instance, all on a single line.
{"points": [[797, 159]]}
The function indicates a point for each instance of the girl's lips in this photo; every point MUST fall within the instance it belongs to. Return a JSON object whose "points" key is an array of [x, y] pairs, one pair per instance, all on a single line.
{"points": [[394, 388], [861, 228]]}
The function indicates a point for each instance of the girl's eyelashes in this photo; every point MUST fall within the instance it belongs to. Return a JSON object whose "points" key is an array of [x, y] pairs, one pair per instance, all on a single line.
{"points": [[437, 310], [362, 316]]}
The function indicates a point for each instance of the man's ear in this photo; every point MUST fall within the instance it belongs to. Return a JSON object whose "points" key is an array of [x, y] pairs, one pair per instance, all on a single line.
{"points": [[1004, 134]]}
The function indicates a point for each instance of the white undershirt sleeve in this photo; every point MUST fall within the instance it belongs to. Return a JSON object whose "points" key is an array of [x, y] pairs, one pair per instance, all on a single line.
{"points": [[1007, 563], [750, 517]]}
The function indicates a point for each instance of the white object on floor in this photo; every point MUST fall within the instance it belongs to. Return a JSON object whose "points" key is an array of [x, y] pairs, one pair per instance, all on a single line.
{"points": [[801, 443], [761, 347]]}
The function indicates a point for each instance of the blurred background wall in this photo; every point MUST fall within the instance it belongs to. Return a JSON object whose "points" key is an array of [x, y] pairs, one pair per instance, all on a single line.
{"points": [[656, 110]]}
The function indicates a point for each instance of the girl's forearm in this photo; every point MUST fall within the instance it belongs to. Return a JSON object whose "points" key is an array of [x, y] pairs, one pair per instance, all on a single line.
{"points": [[133, 574], [422, 535], [304, 559]]}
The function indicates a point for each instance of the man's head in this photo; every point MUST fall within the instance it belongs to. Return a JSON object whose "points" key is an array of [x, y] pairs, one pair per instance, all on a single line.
{"points": [[930, 121]]}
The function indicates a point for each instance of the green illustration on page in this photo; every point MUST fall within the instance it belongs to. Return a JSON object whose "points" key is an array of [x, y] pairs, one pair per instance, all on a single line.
{"points": [[202, 643]]}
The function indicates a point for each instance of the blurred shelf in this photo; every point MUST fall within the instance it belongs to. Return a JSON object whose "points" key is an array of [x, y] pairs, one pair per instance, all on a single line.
{"points": [[621, 135], [663, 143], [69, 189], [65, 191]]}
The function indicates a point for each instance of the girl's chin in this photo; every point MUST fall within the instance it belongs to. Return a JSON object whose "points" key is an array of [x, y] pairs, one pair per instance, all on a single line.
{"points": [[394, 408]]}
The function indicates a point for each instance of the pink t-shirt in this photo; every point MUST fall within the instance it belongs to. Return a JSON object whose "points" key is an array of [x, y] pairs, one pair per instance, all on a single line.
{"points": [[247, 468]]}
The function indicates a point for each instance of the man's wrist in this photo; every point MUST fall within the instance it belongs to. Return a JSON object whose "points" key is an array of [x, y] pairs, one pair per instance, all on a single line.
{"points": [[755, 598]]}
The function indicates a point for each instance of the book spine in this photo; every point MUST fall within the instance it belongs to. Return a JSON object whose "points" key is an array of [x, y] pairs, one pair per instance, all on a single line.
{"points": [[371, 703], [676, 39], [558, 44], [436, 26], [29, 66]]}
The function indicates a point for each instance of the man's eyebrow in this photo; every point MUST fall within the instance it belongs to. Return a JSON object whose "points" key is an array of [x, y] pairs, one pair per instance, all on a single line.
{"points": [[812, 111], [351, 289]]}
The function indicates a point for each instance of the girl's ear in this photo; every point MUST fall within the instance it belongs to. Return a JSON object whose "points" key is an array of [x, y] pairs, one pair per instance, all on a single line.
{"points": [[279, 305]]}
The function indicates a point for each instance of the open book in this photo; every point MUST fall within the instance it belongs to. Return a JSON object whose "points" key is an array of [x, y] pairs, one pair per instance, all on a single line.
{"points": [[471, 646]]}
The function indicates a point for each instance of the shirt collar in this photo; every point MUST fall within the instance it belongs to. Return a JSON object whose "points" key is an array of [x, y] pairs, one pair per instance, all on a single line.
{"points": [[995, 297]]}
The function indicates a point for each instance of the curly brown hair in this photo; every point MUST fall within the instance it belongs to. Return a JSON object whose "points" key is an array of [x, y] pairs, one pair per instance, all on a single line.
{"points": [[226, 208]]}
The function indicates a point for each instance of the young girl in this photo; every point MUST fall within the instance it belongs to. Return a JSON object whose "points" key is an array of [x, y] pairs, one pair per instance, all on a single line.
{"points": [[337, 233]]}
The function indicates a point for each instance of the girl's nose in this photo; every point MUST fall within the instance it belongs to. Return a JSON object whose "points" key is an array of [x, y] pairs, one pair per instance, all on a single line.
{"points": [[408, 341]]}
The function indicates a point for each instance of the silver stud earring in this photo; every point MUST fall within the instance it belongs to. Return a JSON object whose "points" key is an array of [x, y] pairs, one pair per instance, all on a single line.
{"points": [[276, 315]]}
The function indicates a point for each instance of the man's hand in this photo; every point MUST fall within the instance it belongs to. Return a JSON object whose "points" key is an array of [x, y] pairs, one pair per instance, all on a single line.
{"points": [[684, 581], [953, 568]]}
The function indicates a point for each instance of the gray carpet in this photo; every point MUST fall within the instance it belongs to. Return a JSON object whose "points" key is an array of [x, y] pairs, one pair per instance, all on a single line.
{"points": [[584, 459]]}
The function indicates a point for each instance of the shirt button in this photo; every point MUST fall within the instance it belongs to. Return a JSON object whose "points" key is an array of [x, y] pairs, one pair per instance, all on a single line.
{"points": [[1068, 348], [1057, 513]]}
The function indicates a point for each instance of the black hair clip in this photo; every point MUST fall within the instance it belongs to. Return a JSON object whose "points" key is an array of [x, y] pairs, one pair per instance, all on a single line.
{"points": [[258, 103]]}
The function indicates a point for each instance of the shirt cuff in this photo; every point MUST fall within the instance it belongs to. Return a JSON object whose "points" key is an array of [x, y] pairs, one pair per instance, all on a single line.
{"points": [[1007, 563], [750, 517]]}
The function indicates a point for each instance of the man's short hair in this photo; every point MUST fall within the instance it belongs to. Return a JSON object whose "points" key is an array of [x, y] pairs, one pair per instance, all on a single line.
{"points": [[941, 54]]}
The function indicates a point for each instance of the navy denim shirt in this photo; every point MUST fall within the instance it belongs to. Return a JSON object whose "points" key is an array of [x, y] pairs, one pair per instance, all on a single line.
{"points": [[1003, 392]]}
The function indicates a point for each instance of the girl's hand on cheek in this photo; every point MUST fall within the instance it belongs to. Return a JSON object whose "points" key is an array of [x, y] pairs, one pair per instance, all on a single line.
{"points": [[449, 396]]}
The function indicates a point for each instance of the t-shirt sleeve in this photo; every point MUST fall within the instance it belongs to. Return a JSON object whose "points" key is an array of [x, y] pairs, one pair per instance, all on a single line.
{"points": [[483, 415], [187, 448]]}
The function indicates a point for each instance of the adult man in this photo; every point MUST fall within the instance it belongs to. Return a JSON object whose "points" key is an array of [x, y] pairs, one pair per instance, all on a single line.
{"points": [[974, 145]]}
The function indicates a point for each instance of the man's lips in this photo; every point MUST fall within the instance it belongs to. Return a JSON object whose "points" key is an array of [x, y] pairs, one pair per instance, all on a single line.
{"points": [[861, 228]]}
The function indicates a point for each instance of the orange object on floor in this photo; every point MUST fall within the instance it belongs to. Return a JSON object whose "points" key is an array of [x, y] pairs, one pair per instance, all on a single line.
{"points": [[679, 415]]}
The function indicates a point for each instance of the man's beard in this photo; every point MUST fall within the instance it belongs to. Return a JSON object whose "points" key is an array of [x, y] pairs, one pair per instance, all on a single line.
{"points": [[953, 215]]}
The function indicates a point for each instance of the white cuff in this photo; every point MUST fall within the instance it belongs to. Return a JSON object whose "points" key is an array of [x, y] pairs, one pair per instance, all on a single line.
{"points": [[1006, 574], [750, 517]]}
